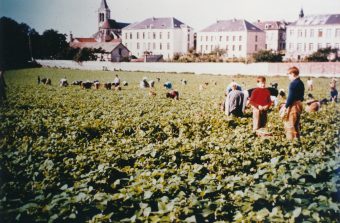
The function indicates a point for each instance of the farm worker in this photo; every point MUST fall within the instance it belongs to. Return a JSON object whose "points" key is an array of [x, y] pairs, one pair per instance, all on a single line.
{"points": [[144, 83], [2, 86], [234, 102], [229, 87], [292, 109], [260, 102], [333, 92], [116, 81], [310, 84], [173, 94], [168, 85], [313, 105]]}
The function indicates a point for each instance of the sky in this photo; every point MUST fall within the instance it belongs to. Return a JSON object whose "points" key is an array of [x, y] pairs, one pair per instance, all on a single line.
{"points": [[80, 16]]}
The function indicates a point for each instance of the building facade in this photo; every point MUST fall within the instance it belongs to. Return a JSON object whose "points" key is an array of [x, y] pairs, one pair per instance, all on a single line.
{"points": [[310, 33], [158, 36], [237, 38], [275, 34]]}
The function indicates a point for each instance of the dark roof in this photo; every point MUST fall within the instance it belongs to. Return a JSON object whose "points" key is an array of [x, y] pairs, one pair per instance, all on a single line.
{"points": [[270, 25], [231, 26], [112, 24], [82, 40], [103, 5], [314, 20], [106, 46], [157, 23]]}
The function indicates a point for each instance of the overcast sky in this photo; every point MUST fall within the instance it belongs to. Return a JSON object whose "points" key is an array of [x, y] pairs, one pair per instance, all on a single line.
{"points": [[80, 16]]}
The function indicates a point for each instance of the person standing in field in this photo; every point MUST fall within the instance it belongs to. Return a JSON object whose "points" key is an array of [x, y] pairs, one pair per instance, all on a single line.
{"points": [[234, 102], [260, 102], [310, 84], [292, 109], [116, 81], [3, 85]]}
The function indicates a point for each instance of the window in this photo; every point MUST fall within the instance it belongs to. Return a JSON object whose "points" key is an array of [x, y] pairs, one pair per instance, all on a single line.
{"points": [[220, 38], [310, 47], [240, 47], [311, 33], [130, 35], [201, 38], [211, 47], [291, 46], [206, 47], [319, 45], [233, 47], [154, 46], [291, 32], [240, 38], [168, 46], [160, 46], [265, 46], [227, 47], [160, 35], [337, 33], [305, 32], [138, 46], [233, 38], [320, 33], [149, 35], [188, 37], [299, 33], [304, 47], [211, 38], [143, 35], [137, 35], [227, 38], [206, 38], [299, 47], [126, 36], [256, 39], [168, 35], [149, 46], [256, 46], [154, 35], [328, 33]]}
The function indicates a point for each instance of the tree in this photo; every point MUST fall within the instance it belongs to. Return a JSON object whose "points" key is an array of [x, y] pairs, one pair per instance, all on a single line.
{"points": [[267, 56], [86, 54], [324, 55], [52, 44], [14, 48]]}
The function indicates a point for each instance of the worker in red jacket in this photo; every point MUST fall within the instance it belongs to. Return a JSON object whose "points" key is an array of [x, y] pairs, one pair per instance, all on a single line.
{"points": [[260, 102]]}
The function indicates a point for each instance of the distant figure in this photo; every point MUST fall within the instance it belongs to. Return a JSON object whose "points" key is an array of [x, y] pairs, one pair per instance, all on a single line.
{"points": [[158, 79], [125, 83], [310, 84], [173, 94], [152, 83], [48, 81], [152, 92], [234, 102], [144, 83], [107, 85], [333, 91], [184, 82], [275, 85], [116, 81], [168, 85], [38, 79], [3, 85], [312, 104], [63, 82], [86, 85], [260, 102], [282, 94]]}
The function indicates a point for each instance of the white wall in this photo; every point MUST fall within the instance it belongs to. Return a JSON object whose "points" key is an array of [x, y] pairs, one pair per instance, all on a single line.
{"points": [[270, 69]]}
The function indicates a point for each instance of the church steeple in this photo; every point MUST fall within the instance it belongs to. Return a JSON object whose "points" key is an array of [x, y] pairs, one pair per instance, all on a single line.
{"points": [[301, 15], [103, 13]]}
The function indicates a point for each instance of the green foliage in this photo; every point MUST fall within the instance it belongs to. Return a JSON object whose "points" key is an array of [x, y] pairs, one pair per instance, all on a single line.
{"points": [[86, 54], [324, 55], [73, 155], [267, 56]]}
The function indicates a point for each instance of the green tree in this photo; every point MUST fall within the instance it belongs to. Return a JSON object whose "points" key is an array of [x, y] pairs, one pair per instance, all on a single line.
{"points": [[324, 55], [267, 56]]}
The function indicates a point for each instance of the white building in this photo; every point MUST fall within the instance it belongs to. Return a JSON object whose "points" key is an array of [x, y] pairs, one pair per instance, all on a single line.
{"points": [[310, 33], [158, 36], [275, 34], [239, 38]]}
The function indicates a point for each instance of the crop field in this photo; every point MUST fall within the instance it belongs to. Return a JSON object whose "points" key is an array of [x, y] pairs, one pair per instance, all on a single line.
{"points": [[75, 155]]}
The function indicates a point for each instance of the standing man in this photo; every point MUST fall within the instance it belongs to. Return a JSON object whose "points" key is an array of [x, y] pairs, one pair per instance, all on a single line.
{"points": [[3, 85], [116, 81], [260, 102], [293, 107], [234, 102]]}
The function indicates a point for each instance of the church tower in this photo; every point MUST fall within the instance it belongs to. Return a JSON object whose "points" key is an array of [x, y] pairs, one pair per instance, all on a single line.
{"points": [[103, 13], [301, 15]]}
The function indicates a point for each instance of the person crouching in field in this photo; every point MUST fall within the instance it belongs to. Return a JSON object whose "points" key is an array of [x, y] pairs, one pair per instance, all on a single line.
{"points": [[313, 105], [173, 94], [292, 109], [260, 102], [234, 102]]}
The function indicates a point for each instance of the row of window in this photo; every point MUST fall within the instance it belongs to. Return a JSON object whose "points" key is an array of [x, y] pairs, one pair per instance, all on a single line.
{"points": [[222, 38], [328, 33], [152, 46], [148, 35], [228, 48], [310, 47]]}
